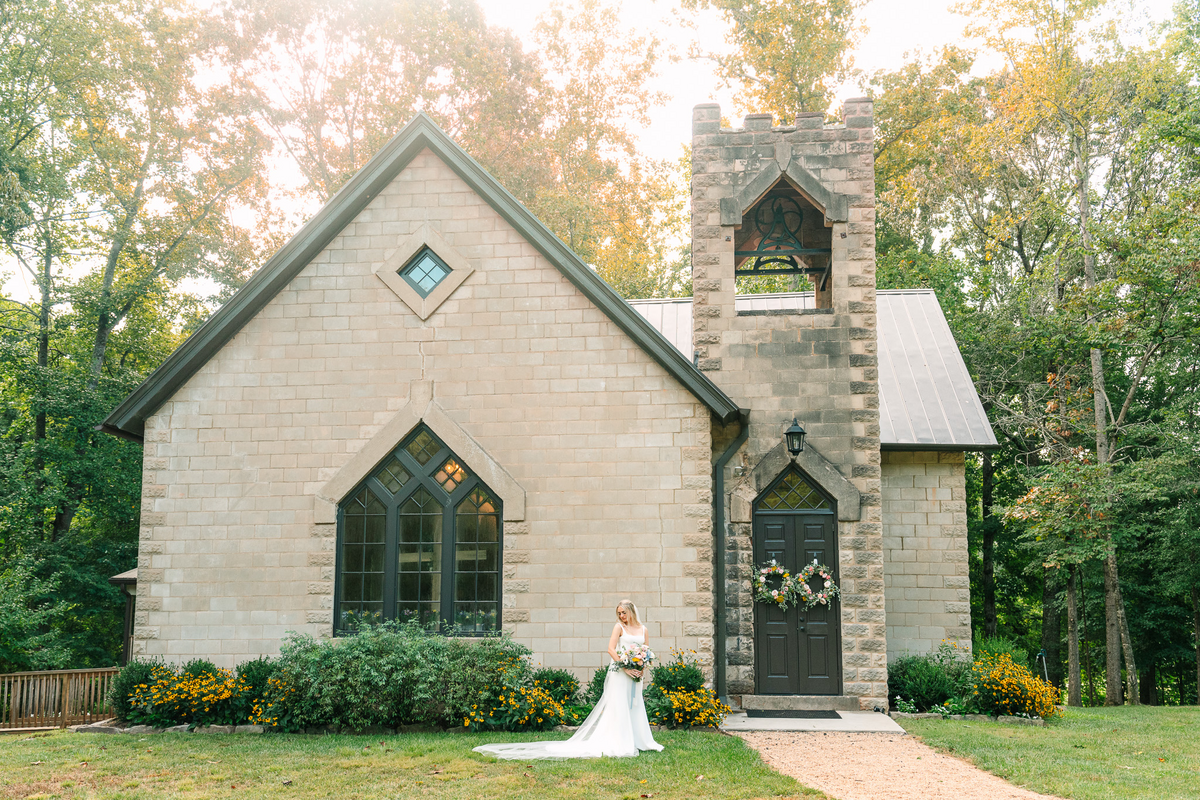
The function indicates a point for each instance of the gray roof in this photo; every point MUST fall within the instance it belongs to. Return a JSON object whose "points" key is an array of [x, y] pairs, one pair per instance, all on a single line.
{"points": [[128, 418], [927, 400]]}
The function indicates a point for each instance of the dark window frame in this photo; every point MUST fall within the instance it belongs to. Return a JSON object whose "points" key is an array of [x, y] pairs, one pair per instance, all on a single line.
{"points": [[421, 476], [416, 287]]}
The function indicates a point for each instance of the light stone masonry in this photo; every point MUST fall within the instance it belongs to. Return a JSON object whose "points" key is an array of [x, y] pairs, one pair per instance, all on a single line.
{"points": [[611, 452], [926, 580], [817, 365]]}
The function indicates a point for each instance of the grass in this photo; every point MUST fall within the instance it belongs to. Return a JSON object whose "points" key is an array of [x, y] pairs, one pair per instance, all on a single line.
{"points": [[70, 765], [1091, 753]]}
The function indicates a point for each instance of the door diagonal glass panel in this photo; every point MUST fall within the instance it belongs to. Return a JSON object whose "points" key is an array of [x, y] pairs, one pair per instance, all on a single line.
{"points": [[794, 493]]}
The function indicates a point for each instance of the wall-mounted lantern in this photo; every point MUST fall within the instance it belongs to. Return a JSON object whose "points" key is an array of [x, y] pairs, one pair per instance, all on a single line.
{"points": [[794, 436]]}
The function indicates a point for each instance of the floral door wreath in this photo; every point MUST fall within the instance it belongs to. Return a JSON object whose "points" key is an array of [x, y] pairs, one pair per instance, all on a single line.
{"points": [[784, 595], [793, 590]]}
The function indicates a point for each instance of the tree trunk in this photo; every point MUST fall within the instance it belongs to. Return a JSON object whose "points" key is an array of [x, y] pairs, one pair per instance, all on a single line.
{"points": [[1074, 689], [989, 549], [1196, 631], [1052, 627], [1114, 608], [1081, 588], [1112, 636], [43, 362], [1131, 675]]}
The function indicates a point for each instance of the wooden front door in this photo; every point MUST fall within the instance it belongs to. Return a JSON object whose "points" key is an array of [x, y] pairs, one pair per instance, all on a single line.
{"points": [[796, 651]]}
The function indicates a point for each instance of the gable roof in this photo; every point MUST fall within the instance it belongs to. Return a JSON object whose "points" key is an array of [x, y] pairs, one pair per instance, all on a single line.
{"points": [[128, 418], [927, 400]]}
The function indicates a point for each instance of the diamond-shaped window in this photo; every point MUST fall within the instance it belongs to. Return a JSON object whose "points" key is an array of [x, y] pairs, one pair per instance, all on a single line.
{"points": [[424, 272], [394, 475], [450, 475], [423, 447]]}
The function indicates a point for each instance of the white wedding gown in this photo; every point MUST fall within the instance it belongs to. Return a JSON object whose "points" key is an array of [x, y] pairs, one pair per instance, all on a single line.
{"points": [[617, 725]]}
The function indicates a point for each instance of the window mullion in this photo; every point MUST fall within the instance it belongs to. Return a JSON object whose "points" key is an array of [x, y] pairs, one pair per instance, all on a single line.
{"points": [[448, 563], [391, 556]]}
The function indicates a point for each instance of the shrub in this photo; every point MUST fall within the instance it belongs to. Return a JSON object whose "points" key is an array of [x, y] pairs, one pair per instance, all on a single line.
{"points": [[126, 682], [930, 679], [700, 707], [562, 685], [395, 674], [189, 695], [384, 675], [518, 708], [678, 674], [678, 696], [254, 677], [998, 645], [596, 686], [1005, 687], [198, 668]]}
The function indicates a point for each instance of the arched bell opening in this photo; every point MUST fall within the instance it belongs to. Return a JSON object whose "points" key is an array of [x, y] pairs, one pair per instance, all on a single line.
{"points": [[783, 245]]}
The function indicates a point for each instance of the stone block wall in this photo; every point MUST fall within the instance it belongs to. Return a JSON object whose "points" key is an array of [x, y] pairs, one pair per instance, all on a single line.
{"points": [[927, 585], [612, 453], [818, 365]]}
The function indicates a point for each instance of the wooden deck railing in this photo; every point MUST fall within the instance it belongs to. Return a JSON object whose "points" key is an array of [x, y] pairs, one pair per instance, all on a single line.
{"points": [[55, 699]]}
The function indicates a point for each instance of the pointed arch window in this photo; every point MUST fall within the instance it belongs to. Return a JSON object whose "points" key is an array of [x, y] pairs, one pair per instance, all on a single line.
{"points": [[420, 539], [792, 492]]}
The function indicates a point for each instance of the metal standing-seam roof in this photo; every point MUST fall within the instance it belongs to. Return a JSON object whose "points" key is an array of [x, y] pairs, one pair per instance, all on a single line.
{"points": [[927, 400]]}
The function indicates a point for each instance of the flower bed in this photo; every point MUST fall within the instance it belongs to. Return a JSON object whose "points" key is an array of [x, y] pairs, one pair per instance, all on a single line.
{"points": [[382, 678]]}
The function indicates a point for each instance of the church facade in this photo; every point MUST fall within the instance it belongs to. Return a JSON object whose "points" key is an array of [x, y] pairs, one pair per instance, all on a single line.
{"points": [[426, 407]]}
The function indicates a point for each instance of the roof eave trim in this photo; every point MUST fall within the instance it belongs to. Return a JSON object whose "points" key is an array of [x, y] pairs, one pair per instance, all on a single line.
{"points": [[422, 132], [973, 447]]}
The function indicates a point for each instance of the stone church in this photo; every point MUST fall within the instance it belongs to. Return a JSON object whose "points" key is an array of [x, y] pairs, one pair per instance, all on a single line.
{"points": [[426, 407]]}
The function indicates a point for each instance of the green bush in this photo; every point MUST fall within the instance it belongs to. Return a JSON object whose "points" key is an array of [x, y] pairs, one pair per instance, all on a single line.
{"points": [[985, 646], [678, 698], [393, 674], [931, 679], [198, 668], [678, 675], [127, 681], [562, 685], [596, 686], [682, 709], [199, 693]]}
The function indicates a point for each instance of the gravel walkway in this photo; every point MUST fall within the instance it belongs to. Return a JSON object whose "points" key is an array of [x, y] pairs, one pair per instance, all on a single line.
{"points": [[879, 766]]}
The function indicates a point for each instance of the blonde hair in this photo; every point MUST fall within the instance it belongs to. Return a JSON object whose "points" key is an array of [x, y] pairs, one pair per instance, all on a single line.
{"points": [[631, 610]]}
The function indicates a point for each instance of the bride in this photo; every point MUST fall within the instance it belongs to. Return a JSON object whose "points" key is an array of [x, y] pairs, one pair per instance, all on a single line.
{"points": [[617, 725]]}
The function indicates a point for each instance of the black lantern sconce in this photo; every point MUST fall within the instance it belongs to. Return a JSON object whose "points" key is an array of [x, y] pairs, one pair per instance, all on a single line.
{"points": [[794, 436]]}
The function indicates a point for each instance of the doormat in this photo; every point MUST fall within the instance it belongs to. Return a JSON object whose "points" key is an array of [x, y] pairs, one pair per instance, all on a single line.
{"points": [[790, 714]]}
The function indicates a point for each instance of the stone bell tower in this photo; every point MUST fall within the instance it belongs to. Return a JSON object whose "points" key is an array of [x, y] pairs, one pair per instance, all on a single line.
{"points": [[795, 200]]}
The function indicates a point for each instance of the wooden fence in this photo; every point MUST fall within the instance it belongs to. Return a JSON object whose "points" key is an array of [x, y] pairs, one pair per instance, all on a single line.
{"points": [[55, 699]]}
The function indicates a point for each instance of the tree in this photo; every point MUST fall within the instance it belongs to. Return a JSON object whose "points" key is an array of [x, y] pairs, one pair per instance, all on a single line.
{"points": [[787, 56], [122, 161], [622, 213]]}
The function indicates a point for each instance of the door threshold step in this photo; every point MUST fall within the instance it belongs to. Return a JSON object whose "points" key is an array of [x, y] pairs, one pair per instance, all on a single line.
{"points": [[790, 713], [798, 702]]}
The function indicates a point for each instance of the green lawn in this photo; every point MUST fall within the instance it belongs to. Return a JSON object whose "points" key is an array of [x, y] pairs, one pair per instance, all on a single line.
{"points": [[1100, 753], [70, 765]]}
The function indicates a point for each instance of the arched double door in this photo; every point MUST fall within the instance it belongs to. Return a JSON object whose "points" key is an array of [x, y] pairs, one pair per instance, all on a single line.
{"points": [[796, 651]]}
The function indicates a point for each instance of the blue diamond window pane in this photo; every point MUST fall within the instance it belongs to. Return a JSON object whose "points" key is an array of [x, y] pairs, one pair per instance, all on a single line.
{"points": [[425, 273]]}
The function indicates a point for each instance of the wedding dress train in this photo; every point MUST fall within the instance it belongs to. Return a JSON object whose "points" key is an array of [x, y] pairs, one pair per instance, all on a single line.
{"points": [[617, 725]]}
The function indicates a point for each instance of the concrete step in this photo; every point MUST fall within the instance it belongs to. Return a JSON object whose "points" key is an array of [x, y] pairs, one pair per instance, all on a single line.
{"points": [[799, 702]]}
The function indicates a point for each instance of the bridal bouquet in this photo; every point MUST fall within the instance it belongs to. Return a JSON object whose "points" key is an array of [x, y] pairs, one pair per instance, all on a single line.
{"points": [[633, 656]]}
